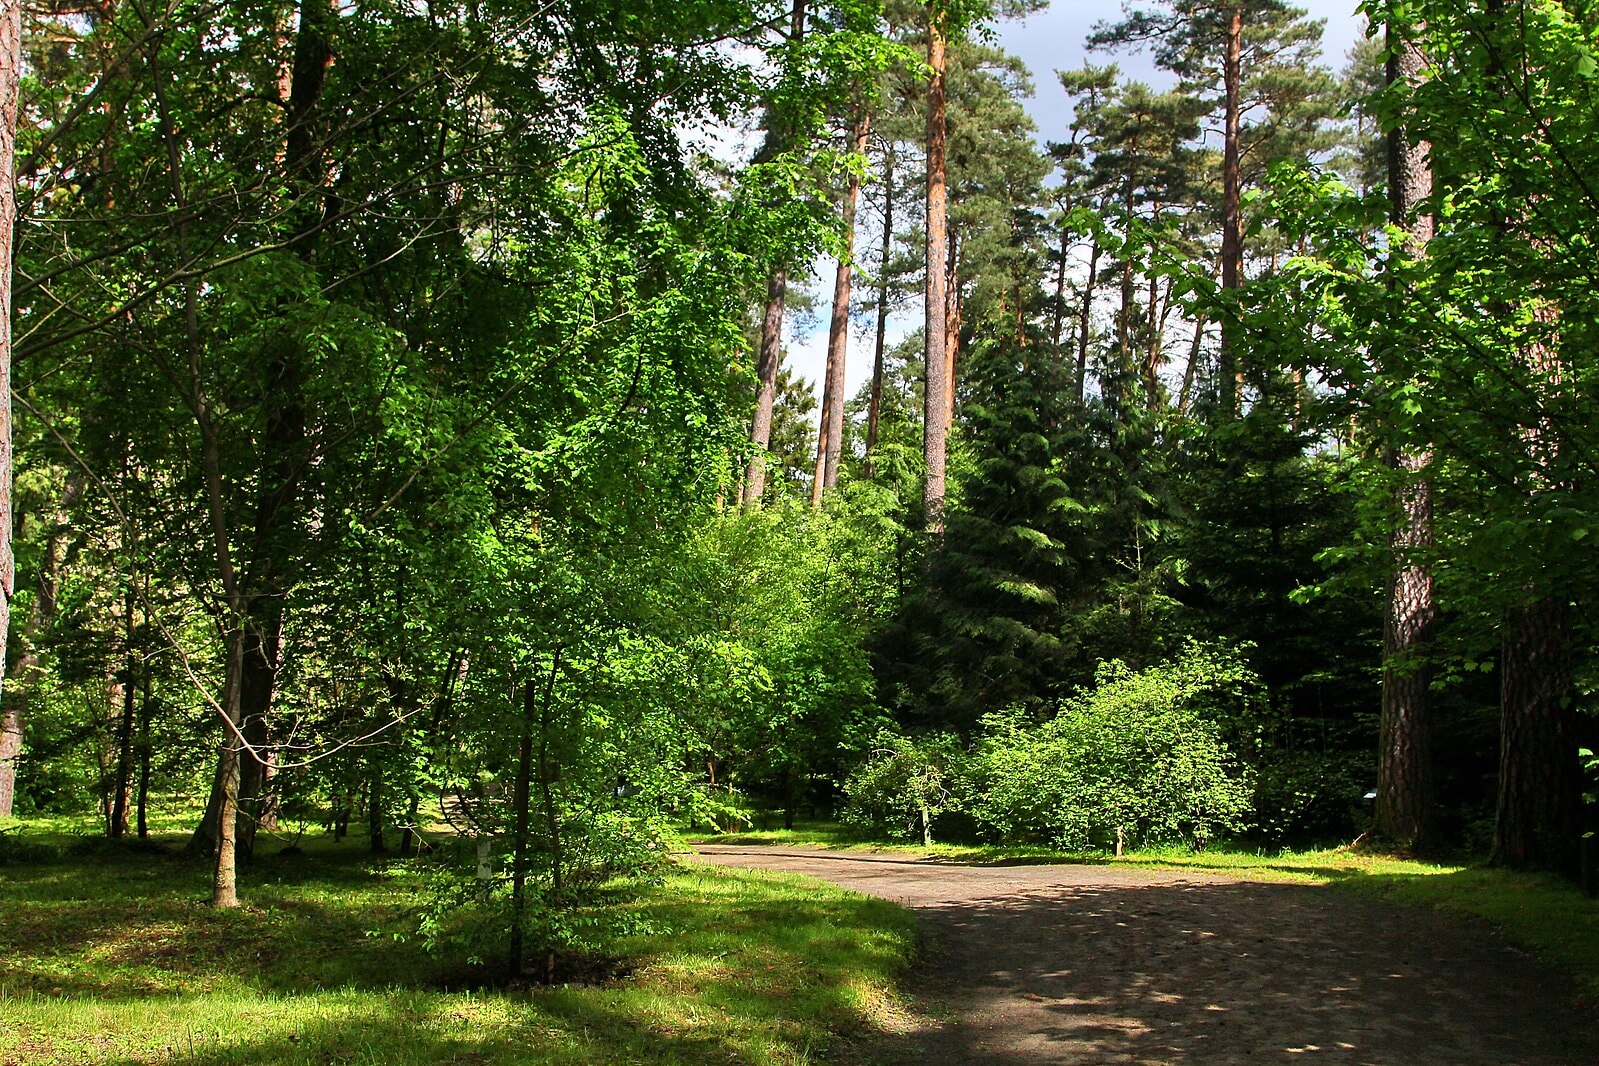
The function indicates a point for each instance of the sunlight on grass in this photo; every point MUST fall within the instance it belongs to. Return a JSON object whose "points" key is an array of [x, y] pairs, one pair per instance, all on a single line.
{"points": [[114, 958]]}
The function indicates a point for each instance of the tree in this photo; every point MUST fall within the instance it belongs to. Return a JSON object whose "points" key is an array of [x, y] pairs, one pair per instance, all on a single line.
{"points": [[936, 390], [830, 441], [1405, 809], [10, 82], [1254, 63]]}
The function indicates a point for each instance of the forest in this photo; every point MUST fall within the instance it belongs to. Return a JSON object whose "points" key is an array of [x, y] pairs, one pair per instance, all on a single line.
{"points": [[405, 447]]}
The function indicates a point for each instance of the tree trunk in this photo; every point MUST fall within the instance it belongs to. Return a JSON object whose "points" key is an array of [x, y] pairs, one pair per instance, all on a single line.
{"points": [[1405, 810], [262, 642], [1058, 319], [1188, 371], [10, 80], [1232, 247], [830, 441], [936, 351], [770, 358], [374, 803], [256, 597], [224, 882], [952, 331], [874, 406], [121, 787], [1537, 823], [1085, 321], [519, 839], [142, 805]]}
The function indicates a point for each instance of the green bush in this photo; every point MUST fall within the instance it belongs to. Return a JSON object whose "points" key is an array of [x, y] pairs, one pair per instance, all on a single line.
{"points": [[905, 783], [1140, 755]]}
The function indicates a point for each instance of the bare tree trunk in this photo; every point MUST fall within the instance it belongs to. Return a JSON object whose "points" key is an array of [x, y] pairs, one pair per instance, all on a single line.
{"points": [[874, 406], [766, 367], [830, 441], [122, 784], [1186, 392], [1405, 809], [1058, 319], [225, 882], [263, 639], [1232, 247], [10, 80], [27, 671], [1539, 815], [1405, 813], [142, 803], [1085, 320], [936, 352], [770, 356], [952, 331], [519, 839]]}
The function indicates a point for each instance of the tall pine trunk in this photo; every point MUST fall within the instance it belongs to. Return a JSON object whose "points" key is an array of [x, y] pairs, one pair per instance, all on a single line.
{"points": [[1232, 246], [1539, 812], [770, 356], [1405, 812], [935, 436], [1085, 314], [27, 671], [830, 441], [874, 406], [10, 81], [767, 363]]}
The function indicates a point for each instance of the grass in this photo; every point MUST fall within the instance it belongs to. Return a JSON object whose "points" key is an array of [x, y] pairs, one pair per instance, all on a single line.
{"points": [[1549, 916], [113, 957], [1317, 866]]}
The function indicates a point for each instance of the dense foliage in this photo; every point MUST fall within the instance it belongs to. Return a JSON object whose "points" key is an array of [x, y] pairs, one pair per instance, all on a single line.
{"points": [[397, 388]]}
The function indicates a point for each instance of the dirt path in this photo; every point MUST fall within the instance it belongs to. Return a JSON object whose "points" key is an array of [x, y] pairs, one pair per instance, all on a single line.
{"points": [[1096, 964]]}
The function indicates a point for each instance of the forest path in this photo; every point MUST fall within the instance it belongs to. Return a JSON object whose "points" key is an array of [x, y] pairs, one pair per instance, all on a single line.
{"points": [[1100, 964]]}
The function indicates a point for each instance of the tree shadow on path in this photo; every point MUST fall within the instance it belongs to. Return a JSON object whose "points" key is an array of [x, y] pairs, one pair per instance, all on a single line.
{"points": [[1178, 972]]}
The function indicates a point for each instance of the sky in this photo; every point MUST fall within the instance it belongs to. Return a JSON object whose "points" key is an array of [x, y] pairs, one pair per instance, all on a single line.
{"points": [[1047, 41]]}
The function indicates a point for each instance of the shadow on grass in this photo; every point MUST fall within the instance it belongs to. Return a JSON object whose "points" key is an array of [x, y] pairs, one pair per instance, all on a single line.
{"points": [[733, 967], [129, 924], [395, 1033]]}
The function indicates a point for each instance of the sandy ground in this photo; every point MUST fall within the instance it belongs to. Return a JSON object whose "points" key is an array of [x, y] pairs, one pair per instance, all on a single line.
{"points": [[1096, 964]]}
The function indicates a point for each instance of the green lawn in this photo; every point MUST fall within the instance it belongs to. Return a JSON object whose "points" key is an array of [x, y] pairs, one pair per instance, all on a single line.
{"points": [[111, 956]]}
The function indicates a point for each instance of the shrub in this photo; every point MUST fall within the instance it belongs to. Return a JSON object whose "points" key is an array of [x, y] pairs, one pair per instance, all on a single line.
{"points": [[1140, 755], [905, 783]]}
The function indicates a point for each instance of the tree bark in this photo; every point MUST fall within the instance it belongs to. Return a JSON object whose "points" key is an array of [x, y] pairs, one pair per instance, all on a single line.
{"points": [[1232, 247], [952, 330], [224, 881], [766, 367], [830, 441], [142, 802], [1539, 814], [1405, 811], [519, 839], [770, 356], [1085, 321], [936, 351], [122, 785], [874, 407], [10, 81]]}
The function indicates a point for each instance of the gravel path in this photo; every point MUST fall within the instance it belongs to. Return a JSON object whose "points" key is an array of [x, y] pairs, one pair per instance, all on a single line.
{"points": [[1097, 964]]}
